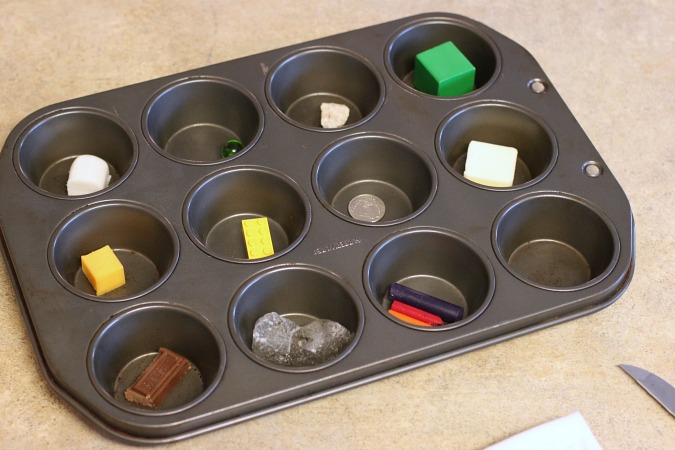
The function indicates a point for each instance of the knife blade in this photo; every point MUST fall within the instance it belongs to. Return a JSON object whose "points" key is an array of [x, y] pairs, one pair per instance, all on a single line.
{"points": [[658, 388]]}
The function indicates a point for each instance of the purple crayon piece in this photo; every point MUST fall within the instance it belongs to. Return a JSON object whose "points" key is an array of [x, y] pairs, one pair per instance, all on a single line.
{"points": [[449, 312]]}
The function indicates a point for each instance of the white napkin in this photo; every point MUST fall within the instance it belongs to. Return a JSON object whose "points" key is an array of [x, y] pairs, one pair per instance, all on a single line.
{"points": [[567, 433]]}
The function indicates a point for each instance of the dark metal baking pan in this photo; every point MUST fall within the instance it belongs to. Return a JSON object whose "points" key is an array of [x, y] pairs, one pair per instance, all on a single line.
{"points": [[556, 245]]}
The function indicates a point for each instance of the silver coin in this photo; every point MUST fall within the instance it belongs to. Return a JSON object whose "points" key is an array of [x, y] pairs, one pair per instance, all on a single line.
{"points": [[366, 207]]}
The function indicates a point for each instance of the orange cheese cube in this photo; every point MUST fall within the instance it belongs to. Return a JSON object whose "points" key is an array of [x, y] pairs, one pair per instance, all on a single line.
{"points": [[103, 270]]}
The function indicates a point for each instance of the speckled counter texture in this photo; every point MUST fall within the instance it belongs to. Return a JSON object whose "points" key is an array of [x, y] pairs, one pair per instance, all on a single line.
{"points": [[613, 64]]}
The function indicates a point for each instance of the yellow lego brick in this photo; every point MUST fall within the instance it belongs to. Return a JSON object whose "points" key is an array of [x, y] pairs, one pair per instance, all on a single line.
{"points": [[103, 270], [257, 237]]}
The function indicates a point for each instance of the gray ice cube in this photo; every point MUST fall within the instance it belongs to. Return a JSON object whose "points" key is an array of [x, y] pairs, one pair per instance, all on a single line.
{"points": [[318, 342], [273, 338], [281, 341]]}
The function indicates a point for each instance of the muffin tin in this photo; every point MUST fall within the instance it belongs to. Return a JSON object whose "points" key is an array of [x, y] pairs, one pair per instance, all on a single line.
{"points": [[557, 245]]}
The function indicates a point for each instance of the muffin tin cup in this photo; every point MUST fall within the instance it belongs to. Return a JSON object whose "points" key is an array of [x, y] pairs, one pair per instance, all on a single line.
{"points": [[299, 83], [501, 124], [125, 345], [439, 263], [216, 206], [555, 241], [47, 148], [144, 241], [385, 166], [301, 293], [190, 120], [414, 38]]}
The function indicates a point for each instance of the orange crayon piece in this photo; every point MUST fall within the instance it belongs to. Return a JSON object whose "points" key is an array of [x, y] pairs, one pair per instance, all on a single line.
{"points": [[408, 319]]}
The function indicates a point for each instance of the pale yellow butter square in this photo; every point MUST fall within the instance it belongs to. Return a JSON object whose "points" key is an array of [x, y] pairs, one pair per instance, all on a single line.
{"points": [[490, 164]]}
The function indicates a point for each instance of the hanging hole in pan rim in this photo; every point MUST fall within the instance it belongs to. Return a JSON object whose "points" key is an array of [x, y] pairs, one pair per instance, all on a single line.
{"points": [[537, 86]]}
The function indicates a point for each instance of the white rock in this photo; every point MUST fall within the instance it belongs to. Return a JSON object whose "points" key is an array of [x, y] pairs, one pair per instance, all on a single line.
{"points": [[334, 115]]}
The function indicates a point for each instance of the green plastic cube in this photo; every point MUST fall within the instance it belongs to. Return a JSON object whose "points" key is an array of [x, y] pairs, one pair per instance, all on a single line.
{"points": [[444, 71]]}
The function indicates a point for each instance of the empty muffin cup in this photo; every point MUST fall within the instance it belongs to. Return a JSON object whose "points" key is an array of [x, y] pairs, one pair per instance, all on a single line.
{"points": [[301, 293], [436, 262], [374, 179], [555, 241], [127, 344], [298, 85], [215, 208], [47, 148], [192, 120], [402, 49], [144, 241], [499, 124]]}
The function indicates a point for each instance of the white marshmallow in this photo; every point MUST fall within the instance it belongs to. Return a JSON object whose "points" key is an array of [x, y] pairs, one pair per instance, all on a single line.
{"points": [[334, 115], [87, 174], [490, 164]]}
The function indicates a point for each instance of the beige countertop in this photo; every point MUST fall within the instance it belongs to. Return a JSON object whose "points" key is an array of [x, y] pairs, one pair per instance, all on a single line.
{"points": [[611, 61]]}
